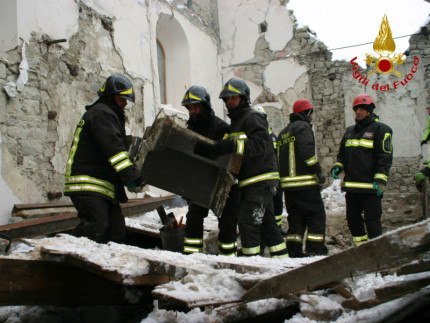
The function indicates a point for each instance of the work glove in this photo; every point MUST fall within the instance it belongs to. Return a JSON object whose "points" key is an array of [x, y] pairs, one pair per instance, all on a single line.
{"points": [[136, 185], [379, 187], [335, 171], [419, 177], [321, 178]]}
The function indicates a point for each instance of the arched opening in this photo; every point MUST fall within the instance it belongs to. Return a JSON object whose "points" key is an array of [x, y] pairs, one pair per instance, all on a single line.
{"points": [[172, 39], [161, 60]]}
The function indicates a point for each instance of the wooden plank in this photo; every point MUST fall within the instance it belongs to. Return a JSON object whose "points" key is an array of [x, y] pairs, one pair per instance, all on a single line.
{"points": [[387, 251], [36, 282], [388, 293], [68, 221], [42, 226], [43, 212]]}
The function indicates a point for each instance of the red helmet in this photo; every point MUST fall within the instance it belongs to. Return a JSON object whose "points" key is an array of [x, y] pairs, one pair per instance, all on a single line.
{"points": [[363, 99], [302, 105]]}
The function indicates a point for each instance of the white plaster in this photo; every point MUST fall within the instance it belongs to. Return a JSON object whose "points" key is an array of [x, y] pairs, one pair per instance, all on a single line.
{"points": [[281, 75], [7, 198], [8, 25], [239, 28], [57, 19], [280, 28], [23, 70]]}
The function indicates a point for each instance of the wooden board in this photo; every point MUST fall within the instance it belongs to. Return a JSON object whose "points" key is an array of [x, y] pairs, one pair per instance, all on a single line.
{"points": [[36, 282], [387, 251]]}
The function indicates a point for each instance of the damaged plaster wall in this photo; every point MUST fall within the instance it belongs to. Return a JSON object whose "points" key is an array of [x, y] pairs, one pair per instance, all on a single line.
{"points": [[282, 61], [47, 81]]}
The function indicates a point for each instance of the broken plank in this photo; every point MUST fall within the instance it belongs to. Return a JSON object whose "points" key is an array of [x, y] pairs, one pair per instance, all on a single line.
{"points": [[36, 282], [419, 267], [43, 212], [42, 226], [387, 251]]}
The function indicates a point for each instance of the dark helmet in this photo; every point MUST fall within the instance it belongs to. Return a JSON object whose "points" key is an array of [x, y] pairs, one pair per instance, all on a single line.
{"points": [[196, 94], [233, 87], [117, 85], [365, 101]]}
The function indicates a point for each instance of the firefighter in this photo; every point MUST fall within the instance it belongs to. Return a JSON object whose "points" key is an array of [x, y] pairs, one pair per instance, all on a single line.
{"points": [[301, 177], [98, 165], [203, 121], [365, 155], [258, 176], [278, 206], [422, 175]]}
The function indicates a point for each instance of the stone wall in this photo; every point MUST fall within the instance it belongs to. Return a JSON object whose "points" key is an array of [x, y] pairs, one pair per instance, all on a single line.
{"points": [[38, 120]]}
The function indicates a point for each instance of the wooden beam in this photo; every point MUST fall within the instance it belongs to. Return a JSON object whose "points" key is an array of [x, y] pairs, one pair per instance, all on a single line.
{"points": [[68, 221], [35, 282], [387, 251]]}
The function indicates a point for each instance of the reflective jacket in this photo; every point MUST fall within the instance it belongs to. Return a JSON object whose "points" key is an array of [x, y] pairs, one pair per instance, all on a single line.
{"points": [[298, 162], [366, 155], [98, 162], [249, 130]]}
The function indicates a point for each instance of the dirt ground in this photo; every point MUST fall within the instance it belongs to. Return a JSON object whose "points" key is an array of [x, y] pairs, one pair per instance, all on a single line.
{"points": [[398, 210]]}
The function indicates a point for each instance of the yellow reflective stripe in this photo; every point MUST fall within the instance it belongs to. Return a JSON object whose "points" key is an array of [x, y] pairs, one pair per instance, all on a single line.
{"points": [[120, 161], [192, 96], [292, 159], [278, 217], [381, 176], [192, 249], [298, 178], [359, 240], [89, 180], [338, 164], [236, 135], [90, 188], [311, 161], [193, 240], [294, 237], [74, 147], [278, 247], [129, 91], [251, 251], [281, 256], [259, 178], [229, 245], [233, 89], [362, 142], [315, 237], [387, 136], [358, 185], [299, 184], [240, 147], [116, 158], [124, 164]]}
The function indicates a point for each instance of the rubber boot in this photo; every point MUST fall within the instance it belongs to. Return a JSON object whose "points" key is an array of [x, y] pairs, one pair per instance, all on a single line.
{"points": [[295, 249], [316, 248]]}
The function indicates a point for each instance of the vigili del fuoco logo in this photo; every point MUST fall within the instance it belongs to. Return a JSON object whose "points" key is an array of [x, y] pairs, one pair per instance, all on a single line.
{"points": [[385, 62]]}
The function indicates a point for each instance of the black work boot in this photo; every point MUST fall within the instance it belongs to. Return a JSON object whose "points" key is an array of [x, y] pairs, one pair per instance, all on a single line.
{"points": [[316, 248], [295, 249]]}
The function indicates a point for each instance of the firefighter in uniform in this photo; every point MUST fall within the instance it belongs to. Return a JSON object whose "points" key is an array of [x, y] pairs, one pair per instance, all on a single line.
{"points": [[365, 155], [98, 165], [203, 121], [278, 206], [301, 177], [258, 176]]}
